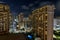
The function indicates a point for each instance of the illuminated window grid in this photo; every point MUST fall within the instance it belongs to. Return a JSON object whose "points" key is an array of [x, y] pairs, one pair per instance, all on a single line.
{"points": [[5, 20]]}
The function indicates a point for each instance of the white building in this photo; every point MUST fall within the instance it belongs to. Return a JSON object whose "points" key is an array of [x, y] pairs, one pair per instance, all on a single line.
{"points": [[56, 23]]}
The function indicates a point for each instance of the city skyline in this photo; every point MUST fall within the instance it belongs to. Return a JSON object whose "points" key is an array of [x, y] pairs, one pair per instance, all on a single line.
{"points": [[38, 23], [26, 6]]}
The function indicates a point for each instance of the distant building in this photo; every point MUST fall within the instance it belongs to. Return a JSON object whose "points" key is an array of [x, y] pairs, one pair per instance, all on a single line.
{"points": [[20, 21], [10, 19], [56, 23], [10, 22], [42, 22], [23, 24], [4, 18]]}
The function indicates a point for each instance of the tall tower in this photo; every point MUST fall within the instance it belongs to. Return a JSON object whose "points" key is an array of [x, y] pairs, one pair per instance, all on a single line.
{"points": [[21, 20], [4, 17], [10, 18], [42, 22], [10, 22]]}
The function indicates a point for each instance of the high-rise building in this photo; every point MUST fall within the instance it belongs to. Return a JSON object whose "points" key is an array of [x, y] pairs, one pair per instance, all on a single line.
{"points": [[20, 21], [10, 18], [57, 23], [4, 17], [10, 22], [42, 22]]}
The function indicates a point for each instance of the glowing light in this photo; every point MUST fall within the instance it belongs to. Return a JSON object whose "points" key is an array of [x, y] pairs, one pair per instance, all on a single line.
{"points": [[30, 36]]}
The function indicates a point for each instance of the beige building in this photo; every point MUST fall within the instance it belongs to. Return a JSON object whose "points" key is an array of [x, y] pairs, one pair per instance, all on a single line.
{"points": [[42, 22], [10, 19], [4, 18], [20, 21], [10, 22]]}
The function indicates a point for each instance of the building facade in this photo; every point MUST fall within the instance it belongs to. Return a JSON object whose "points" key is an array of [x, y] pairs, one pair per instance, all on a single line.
{"points": [[10, 18], [56, 23], [4, 17], [42, 22], [23, 24], [10, 22], [20, 21]]}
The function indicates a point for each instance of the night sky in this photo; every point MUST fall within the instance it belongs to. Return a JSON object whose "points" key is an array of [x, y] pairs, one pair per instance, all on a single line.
{"points": [[26, 6]]}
